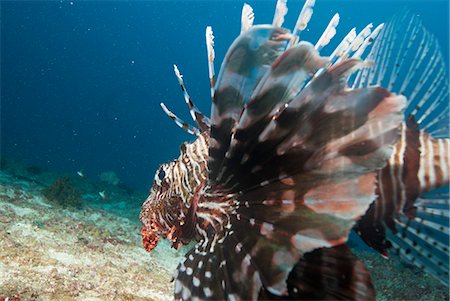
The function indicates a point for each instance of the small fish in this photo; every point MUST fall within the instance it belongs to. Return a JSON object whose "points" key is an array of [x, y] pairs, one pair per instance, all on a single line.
{"points": [[103, 195], [299, 150], [80, 173]]}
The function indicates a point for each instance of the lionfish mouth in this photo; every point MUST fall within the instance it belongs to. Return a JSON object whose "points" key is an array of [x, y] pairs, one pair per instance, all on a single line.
{"points": [[150, 237], [152, 228], [164, 216]]}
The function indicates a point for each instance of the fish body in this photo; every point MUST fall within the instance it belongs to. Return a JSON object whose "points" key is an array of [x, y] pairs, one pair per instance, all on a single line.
{"points": [[103, 195], [296, 150]]}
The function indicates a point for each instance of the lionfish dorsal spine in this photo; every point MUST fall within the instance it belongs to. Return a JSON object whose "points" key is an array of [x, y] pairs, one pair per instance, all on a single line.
{"points": [[280, 11], [343, 45], [369, 40], [200, 119], [302, 21], [247, 17], [361, 76], [356, 43], [328, 34], [211, 56], [179, 122]]}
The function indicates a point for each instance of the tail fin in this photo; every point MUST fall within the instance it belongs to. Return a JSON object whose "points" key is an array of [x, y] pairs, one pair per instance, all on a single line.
{"points": [[412, 209]]}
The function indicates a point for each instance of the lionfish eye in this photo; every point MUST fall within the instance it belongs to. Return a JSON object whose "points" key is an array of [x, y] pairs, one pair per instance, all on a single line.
{"points": [[161, 174]]}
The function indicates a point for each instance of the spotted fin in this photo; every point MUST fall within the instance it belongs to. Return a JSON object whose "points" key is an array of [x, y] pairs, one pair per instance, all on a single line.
{"points": [[266, 238], [424, 239], [209, 271]]}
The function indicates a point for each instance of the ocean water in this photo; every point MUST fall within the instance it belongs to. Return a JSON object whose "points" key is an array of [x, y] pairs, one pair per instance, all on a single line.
{"points": [[82, 80], [81, 83]]}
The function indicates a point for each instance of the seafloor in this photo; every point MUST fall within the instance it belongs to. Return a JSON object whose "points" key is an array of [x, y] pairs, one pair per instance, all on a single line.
{"points": [[90, 249]]}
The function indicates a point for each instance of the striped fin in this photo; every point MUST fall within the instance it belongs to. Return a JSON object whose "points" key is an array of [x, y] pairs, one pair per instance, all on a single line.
{"points": [[266, 237], [284, 209], [297, 168], [408, 61], [321, 126], [286, 77], [200, 119], [182, 124], [280, 222], [424, 239], [361, 75], [264, 240], [246, 62]]}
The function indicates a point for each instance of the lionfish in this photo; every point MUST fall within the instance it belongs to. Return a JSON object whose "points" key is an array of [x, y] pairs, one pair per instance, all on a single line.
{"points": [[301, 149]]}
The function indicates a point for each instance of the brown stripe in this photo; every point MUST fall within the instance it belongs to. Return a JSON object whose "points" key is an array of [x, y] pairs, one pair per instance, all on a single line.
{"points": [[426, 151], [388, 185], [411, 166]]}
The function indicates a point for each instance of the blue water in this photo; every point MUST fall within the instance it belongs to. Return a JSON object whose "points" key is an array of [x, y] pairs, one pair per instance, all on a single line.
{"points": [[82, 80]]}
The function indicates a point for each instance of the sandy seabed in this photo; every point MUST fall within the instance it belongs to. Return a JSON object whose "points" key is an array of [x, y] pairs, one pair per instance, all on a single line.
{"points": [[51, 253]]}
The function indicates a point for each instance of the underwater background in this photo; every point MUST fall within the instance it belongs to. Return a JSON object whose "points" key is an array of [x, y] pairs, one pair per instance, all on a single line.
{"points": [[81, 83]]}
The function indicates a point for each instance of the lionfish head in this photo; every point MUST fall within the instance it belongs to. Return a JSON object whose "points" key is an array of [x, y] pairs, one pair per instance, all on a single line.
{"points": [[170, 209]]}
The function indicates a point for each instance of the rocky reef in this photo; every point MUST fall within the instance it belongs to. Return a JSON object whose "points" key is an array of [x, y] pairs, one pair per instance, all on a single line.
{"points": [[63, 193]]}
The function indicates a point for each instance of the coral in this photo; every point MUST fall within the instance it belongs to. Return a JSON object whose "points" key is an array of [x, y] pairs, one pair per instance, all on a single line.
{"points": [[109, 177], [63, 193]]}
